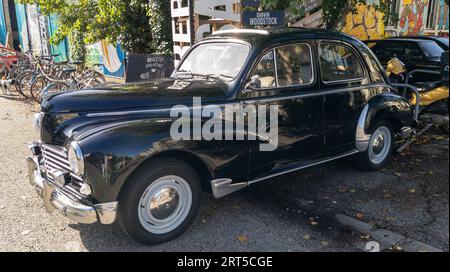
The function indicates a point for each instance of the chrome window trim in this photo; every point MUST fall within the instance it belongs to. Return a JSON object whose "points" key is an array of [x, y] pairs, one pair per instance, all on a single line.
{"points": [[361, 62], [255, 65], [248, 101]]}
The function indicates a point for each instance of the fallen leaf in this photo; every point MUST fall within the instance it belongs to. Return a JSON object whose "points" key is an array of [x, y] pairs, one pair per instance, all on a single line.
{"points": [[398, 174], [359, 216], [307, 237], [314, 223], [365, 237], [324, 243], [242, 238], [353, 191], [412, 191], [397, 248]]}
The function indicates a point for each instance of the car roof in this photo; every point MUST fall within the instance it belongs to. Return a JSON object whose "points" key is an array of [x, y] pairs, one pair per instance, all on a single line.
{"points": [[258, 37]]}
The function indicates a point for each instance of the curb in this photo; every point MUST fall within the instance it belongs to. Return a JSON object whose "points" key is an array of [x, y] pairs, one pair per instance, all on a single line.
{"points": [[385, 239]]}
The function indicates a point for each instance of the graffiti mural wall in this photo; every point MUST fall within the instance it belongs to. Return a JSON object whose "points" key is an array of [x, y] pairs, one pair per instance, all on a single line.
{"points": [[2, 25], [442, 22], [413, 15], [365, 24], [112, 58]]}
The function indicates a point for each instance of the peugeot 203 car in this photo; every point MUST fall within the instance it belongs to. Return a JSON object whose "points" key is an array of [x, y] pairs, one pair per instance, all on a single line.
{"points": [[107, 154]]}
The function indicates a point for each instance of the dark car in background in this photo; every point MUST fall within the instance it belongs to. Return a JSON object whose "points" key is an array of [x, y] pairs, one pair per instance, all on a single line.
{"points": [[441, 41], [414, 53]]}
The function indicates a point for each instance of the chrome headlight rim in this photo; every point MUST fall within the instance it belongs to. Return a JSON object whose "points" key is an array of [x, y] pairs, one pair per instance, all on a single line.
{"points": [[76, 158], [37, 121]]}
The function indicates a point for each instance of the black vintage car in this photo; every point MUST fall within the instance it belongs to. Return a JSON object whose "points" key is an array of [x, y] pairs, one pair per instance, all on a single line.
{"points": [[416, 54], [108, 154]]}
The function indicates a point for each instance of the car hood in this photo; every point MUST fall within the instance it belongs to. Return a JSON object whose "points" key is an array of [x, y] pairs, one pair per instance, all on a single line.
{"points": [[150, 94]]}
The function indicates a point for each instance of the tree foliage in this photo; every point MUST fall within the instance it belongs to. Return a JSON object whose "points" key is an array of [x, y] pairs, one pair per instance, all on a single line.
{"points": [[132, 23], [333, 10]]}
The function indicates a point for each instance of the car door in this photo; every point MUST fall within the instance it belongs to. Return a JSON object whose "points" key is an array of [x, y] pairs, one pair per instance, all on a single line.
{"points": [[286, 78], [343, 77]]}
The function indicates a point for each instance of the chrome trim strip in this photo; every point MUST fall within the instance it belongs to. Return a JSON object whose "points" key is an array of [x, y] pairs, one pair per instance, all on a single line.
{"points": [[303, 167], [335, 91], [247, 101]]}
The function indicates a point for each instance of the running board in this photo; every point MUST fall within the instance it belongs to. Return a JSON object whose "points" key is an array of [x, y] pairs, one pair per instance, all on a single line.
{"points": [[225, 186]]}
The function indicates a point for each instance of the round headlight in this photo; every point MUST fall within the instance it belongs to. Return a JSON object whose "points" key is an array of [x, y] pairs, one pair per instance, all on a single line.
{"points": [[76, 159]]}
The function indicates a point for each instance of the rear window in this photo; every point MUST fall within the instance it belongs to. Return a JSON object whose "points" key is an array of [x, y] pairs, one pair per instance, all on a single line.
{"points": [[339, 63], [431, 49]]}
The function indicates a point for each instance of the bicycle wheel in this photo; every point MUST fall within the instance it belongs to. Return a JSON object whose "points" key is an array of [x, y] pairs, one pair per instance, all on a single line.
{"points": [[92, 80], [17, 70], [24, 84], [37, 88], [55, 87], [19, 79]]}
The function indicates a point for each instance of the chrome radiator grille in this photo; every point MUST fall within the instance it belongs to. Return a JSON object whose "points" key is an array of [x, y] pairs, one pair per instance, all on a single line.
{"points": [[55, 158]]}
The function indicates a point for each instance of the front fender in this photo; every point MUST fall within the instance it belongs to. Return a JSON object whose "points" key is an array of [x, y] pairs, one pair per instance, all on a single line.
{"points": [[112, 154]]}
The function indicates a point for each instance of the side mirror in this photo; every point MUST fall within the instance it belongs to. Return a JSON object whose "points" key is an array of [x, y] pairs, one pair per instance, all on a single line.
{"points": [[395, 66], [444, 67], [255, 83]]}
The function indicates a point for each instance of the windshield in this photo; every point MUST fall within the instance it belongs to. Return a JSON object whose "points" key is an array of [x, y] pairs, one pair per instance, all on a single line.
{"points": [[223, 60], [431, 49]]}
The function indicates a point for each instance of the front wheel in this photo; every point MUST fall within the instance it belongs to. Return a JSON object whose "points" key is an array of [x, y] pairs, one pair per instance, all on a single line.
{"points": [[160, 201], [380, 148]]}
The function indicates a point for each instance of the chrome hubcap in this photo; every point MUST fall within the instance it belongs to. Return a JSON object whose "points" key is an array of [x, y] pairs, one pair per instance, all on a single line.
{"points": [[380, 145], [165, 204]]}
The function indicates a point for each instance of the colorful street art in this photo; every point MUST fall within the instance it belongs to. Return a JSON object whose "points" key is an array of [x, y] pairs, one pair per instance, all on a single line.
{"points": [[2, 25], [413, 14], [22, 26], [365, 24], [111, 57], [443, 21]]}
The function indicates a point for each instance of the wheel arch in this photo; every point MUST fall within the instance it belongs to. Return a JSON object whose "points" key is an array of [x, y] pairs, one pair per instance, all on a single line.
{"points": [[387, 106], [199, 166]]}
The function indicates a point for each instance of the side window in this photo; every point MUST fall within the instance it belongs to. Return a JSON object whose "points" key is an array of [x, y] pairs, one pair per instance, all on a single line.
{"points": [[338, 62], [266, 71], [393, 49], [294, 65], [412, 52], [290, 66]]}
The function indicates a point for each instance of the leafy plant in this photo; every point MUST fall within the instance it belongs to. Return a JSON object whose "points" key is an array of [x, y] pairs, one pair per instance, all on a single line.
{"points": [[132, 23]]}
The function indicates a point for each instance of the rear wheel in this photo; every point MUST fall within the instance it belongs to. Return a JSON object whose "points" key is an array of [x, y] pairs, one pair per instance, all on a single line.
{"points": [[160, 201], [380, 148]]}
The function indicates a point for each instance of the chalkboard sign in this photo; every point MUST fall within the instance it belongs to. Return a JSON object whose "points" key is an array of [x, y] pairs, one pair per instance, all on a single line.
{"points": [[143, 67]]}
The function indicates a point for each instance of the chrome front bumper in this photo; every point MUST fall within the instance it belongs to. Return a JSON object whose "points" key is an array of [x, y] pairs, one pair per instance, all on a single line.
{"points": [[56, 199]]}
